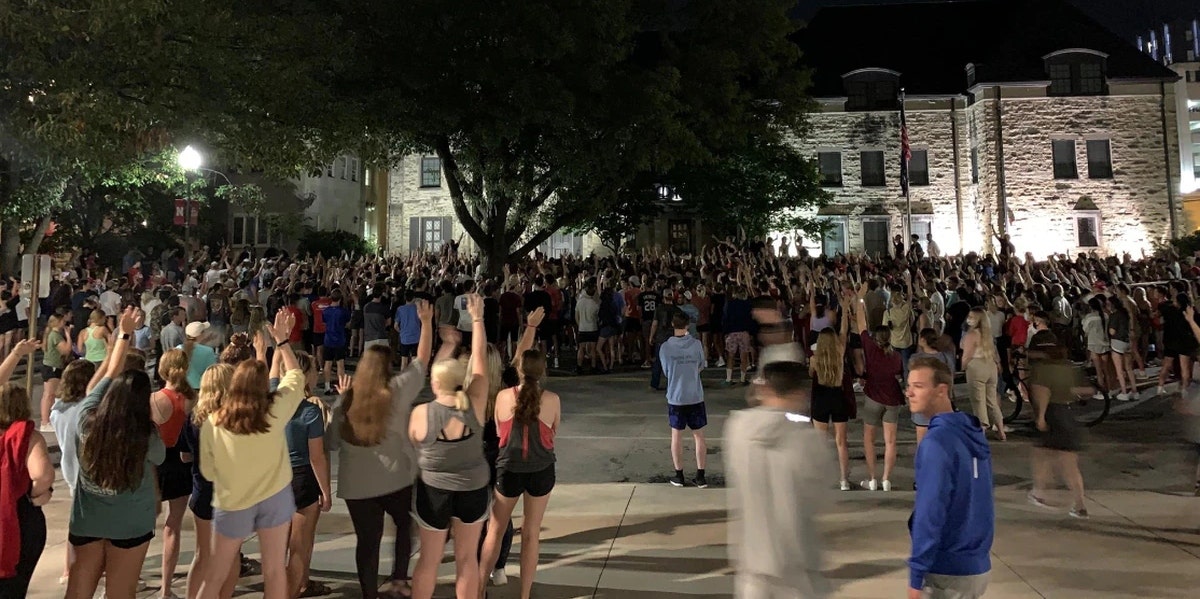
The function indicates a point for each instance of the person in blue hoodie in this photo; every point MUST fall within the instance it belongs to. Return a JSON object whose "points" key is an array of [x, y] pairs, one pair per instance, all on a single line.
{"points": [[682, 359], [954, 519]]}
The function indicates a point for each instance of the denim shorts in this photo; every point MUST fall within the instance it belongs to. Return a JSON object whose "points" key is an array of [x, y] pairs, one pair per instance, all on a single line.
{"points": [[273, 511]]}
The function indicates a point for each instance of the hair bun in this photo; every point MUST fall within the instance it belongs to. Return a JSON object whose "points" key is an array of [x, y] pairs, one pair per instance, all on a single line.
{"points": [[239, 339]]}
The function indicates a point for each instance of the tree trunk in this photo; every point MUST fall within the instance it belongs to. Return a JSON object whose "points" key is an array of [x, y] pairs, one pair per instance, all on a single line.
{"points": [[494, 250], [40, 234]]}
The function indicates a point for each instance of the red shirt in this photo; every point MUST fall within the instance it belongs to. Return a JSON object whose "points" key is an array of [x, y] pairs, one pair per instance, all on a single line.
{"points": [[631, 303], [1017, 329], [297, 329], [318, 307], [883, 372], [510, 309]]}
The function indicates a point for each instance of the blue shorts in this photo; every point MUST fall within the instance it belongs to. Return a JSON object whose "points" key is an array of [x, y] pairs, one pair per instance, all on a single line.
{"points": [[693, 416], [273, 511]]}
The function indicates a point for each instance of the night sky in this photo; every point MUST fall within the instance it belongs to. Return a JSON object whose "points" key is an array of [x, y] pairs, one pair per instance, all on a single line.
{"points": [[1128, 18]]}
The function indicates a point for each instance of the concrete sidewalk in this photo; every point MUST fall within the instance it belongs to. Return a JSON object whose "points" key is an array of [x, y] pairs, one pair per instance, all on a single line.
{"points": [[615, 529]]}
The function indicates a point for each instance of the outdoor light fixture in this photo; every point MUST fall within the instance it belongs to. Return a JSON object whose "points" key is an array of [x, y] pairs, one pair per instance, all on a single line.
{"points": [[189, 159], [664, 192]]}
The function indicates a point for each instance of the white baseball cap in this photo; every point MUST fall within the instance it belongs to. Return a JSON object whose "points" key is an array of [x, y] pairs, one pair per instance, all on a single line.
{"points": [[195, 330]]}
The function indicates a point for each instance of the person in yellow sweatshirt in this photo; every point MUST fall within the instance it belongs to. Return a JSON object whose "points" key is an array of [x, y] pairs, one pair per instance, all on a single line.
{"points": [[244, 453]]}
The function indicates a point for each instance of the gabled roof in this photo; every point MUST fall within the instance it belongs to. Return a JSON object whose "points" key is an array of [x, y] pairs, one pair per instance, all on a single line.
{"points": [[931, 43]]}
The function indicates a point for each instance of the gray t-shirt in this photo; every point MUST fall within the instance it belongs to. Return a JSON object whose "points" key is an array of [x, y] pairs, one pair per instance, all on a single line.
{"points": [[375, 317], [452, 465], [367, 472]]}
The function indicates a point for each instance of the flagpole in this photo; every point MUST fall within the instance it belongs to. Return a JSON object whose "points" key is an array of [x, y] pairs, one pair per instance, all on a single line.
{"points": [[904, 157]]}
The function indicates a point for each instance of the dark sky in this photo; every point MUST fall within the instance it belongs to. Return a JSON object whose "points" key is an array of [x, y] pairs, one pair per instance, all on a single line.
{"points": [[1126, 17]]}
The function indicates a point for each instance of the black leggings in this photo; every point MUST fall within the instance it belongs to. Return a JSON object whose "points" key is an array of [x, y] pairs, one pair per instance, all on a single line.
{"points": [[367, 518], [33, 541]]}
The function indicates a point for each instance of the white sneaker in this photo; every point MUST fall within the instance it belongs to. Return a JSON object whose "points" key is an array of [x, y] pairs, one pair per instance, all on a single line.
{"points": [[869, 485], [844, 485], [556, 361], [1123, 397], [498, 578], [887, 485], [1098, 395], [858, 387], [720, 362]]}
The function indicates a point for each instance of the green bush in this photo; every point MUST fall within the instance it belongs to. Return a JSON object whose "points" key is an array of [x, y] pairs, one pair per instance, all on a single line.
{"points": [[330, 243], [1187, 245]]}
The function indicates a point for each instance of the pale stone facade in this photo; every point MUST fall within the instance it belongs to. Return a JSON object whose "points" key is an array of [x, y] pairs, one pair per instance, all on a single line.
{"points": [[420, 211], [959, 208]]}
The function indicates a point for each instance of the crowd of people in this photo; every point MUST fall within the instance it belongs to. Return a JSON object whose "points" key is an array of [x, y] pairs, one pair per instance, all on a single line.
{"points": [[158, 383]]}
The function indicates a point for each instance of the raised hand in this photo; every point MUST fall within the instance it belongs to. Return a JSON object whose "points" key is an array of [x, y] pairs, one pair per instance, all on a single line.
{"points": [[285, 321], [535, 318], [344, 382], [424, 311], [132, 319], [25, 347], [475, 306]]}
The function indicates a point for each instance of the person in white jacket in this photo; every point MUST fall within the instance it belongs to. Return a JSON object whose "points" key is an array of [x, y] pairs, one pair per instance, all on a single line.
{"points": [[777, 467]]}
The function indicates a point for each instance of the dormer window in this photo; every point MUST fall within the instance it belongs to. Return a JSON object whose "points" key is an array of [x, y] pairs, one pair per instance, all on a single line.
{"points": [[1076, 72], [872, 89]]}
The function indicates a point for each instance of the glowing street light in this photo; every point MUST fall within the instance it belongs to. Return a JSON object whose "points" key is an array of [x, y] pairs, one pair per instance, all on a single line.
{"points": [[190, 159]]}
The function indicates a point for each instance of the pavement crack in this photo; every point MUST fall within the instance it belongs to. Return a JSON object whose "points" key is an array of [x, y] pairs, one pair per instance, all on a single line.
{"points": [[997, 557], [617, 535], [1148, 529]]}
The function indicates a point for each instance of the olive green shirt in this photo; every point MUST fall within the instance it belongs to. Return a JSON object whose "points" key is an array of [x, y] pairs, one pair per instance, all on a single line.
{"points": [[1060, 377]]}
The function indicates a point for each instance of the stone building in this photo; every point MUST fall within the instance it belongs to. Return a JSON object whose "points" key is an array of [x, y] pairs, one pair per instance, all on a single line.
{"points": [[420, 215], [1025, 116], [1177, 46]]}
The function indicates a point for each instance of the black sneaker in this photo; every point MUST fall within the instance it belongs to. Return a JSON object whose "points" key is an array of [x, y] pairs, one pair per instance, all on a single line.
{"points": [[700, 482], [677, 481]]}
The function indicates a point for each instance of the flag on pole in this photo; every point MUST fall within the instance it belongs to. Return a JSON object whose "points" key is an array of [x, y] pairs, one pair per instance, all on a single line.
{"points": [[905, 149]]}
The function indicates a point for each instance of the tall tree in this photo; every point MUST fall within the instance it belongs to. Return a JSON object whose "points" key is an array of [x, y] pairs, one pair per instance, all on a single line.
{"points": [[541, 110], [93, 85]]}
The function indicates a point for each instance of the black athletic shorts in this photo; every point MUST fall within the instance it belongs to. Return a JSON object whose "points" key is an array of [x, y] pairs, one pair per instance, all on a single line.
{"points": [[79, 541], [50, 373], [633, 325], [589, 336], [433, 508], [1064, 432], [514, 484], [174, 477], [333, 353], [305, 488], [318, 339], [407, 350]]}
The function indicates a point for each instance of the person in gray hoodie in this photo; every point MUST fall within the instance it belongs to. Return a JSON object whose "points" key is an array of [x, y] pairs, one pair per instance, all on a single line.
{"points": [[776, 464], [682, 359]]}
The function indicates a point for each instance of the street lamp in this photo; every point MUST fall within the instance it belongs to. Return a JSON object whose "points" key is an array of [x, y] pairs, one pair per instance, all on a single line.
{"points": [[190, 160]]}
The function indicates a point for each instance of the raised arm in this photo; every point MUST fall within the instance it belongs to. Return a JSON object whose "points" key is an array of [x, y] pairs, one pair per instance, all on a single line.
{"points": [[529, 337], [23, 348], [280, 332], [860, 308], [478, 389], [425, 345]]}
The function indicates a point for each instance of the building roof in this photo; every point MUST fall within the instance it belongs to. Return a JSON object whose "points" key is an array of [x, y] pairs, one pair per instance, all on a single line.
{"points": [[931, 43]]}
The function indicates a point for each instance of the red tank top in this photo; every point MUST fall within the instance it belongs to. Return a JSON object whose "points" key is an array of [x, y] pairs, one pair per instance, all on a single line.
{"points": [[171, 429]]}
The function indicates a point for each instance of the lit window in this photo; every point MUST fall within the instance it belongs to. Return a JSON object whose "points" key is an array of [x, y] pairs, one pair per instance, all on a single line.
{"points": [[1087, 230]]}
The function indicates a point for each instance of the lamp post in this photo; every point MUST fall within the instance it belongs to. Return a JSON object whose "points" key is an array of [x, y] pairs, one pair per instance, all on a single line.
{"points": [[190, 160]]}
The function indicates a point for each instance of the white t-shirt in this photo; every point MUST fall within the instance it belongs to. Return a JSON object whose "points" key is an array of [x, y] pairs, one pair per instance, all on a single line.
{"points": [[587, 313], [464, 317], [110, 302]]}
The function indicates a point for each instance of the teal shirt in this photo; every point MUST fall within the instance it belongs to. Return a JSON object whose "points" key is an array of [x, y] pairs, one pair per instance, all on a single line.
{"points": [[106, 514], [203, 356]]}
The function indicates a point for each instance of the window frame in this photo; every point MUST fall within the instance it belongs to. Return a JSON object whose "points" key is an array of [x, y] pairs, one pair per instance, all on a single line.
{"points": [[862, 175], [841, 170], [1054, 162], [873, 219], [1107, 163], [424, 171], [1095, 217], [975, 164], [844, 222], [1076, 72], [914, 181]]}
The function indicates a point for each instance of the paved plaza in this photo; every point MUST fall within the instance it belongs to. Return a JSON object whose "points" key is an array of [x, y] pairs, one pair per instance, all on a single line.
{"points": [[616, 529]]}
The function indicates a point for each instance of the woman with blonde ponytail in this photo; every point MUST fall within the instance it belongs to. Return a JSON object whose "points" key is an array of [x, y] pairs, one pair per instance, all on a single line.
{"points": [[452, 489], [168, 408], [982, 363], [527, 419]]}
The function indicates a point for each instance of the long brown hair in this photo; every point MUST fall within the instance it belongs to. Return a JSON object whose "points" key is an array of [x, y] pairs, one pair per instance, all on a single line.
{"points": [[173, 368], [213, 387], [75, 379], [529, 398], [239, 349], [113, 450], [245, 407], [367, 405], [14, 405]]}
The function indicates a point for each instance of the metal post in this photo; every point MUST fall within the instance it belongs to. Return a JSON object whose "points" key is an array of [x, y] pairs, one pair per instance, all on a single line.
{"points": [[33, 316], [187, 230]]}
